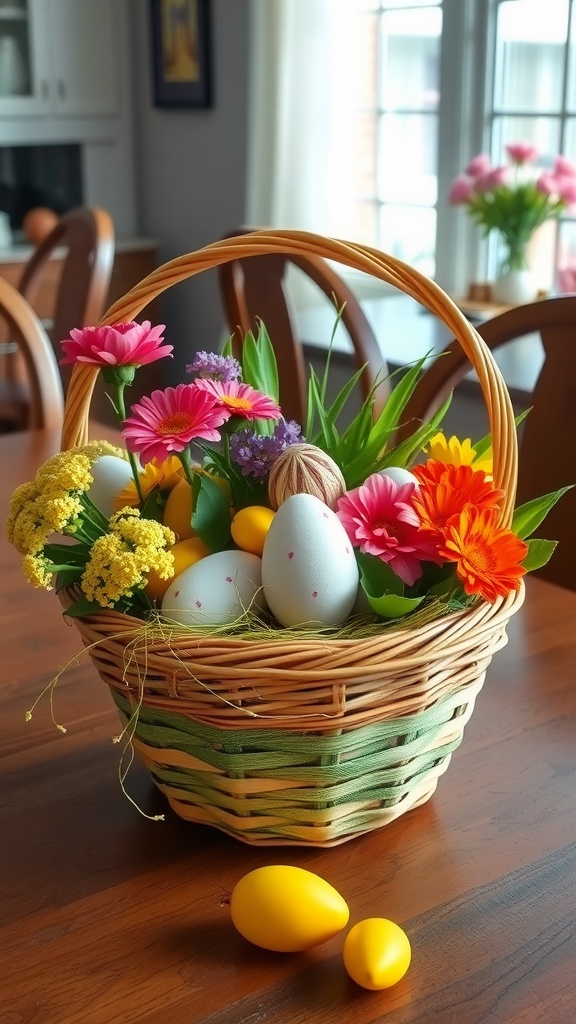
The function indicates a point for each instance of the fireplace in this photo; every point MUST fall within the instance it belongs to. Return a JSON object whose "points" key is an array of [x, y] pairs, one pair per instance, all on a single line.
{"points": [[47, 175]]}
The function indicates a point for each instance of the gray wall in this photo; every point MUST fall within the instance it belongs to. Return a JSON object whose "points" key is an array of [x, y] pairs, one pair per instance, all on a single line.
{"points": [[191, 171]]}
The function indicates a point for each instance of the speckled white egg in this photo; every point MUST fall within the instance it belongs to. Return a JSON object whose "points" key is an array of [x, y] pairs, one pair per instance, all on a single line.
{"points": [[309, 571], [399, 475], [216, 590], [111, 474]]}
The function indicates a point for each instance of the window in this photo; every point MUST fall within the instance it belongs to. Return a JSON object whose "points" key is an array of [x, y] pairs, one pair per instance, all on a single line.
{"points": [[371, 107]]}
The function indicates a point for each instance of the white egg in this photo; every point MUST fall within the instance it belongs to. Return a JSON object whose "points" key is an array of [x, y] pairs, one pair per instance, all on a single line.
{"points": [[399, 475], [216, 590], [309, 571], [111, 474]]}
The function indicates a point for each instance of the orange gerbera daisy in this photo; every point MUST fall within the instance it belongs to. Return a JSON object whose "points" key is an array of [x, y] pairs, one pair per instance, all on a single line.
{"points": [[487, 556], [446, 489]]}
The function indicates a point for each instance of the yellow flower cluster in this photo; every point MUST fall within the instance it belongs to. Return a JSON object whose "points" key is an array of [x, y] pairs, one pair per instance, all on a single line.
{"points": [[120, 559], [50, 504]]}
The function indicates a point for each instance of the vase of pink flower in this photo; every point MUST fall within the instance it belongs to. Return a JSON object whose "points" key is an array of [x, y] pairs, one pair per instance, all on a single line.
{"points": [[514, 200]]}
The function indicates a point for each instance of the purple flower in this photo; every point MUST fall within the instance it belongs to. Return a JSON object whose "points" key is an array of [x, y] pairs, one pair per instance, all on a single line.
{"points": [[255, 453], [215, 367]]}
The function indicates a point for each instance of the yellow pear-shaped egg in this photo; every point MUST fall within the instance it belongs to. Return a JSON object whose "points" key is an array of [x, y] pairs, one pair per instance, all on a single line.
{"points": [[250, 526], [185, 553], [287, 909], [376, 953], [178, 510]]}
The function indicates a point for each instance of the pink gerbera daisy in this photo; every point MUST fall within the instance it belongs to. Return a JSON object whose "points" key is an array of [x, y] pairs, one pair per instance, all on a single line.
{"points": [[380, 520], [168, 420], [240, 399], [129, 344]]}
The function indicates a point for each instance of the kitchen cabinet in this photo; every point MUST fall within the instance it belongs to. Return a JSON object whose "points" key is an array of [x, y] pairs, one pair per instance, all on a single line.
{"points": [[58, 58]]}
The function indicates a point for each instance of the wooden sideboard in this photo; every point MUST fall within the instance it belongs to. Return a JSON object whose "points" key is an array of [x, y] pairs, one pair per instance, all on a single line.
{"points": [[132, 262]]}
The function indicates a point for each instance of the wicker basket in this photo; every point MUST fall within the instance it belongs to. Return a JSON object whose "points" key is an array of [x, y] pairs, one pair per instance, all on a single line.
{"points": [[303, 742]]}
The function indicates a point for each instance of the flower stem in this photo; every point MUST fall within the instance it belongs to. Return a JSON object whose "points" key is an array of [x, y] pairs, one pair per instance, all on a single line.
{"points": [[121, 407]]}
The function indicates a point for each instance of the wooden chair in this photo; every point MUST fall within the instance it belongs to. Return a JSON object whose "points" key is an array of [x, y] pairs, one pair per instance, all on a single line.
{"points": [[41, 405], [254, 288], [87, 234], [548, 435]]}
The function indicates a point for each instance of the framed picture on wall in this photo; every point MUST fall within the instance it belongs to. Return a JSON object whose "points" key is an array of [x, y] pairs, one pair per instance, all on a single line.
{"points": [[181, 53]]}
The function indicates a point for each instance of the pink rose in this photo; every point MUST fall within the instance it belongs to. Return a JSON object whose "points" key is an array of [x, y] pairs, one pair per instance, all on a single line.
{"points": [[492, 179], [461, 190], [521, 152], [564, 167], [479, 164]]}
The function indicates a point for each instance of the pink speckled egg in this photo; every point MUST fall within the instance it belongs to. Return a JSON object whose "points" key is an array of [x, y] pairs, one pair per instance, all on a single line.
{"points": [[309, 571], [216, 590]]}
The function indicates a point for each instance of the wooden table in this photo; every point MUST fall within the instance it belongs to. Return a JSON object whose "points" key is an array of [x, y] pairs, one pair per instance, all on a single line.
{"points": [[108, 917]]}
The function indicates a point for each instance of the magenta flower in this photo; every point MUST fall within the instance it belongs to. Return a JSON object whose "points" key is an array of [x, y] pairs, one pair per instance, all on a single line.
{"points": [[493, 178], [563, 167], [168, 420], [380, 520], [479, 164], [461, 190], [521, 152], [240, 399], [129, 344]]}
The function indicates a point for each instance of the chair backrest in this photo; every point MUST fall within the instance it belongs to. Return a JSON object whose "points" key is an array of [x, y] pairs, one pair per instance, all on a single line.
{"points": [[548, 435], [254, 288], [88, 235], [44, 401]]}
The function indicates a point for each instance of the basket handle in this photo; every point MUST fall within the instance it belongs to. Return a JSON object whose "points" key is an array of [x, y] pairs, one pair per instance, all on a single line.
{"points": [[363, 258]]}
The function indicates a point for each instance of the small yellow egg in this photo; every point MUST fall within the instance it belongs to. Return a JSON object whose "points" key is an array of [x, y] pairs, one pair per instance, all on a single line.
{"points": [[376, 953], [185, 553], [287, 909], [178, 510], [250, 526]]}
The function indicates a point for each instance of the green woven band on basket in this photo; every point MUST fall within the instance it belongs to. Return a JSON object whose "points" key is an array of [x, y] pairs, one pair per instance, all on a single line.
{"points": [[295, 777]]}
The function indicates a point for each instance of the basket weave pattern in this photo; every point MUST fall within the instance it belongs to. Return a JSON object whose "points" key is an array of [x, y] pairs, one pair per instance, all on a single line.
{"points": [[309, 741]]}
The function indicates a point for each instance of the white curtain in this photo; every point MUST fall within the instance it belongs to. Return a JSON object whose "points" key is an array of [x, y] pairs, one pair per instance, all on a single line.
{"points": [[301, 102]]}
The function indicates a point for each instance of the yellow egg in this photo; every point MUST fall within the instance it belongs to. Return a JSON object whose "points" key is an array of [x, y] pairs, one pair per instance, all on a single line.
{"points": [[185, 553], [287, 909], [178, 510], [250, 526], [376, 953]]}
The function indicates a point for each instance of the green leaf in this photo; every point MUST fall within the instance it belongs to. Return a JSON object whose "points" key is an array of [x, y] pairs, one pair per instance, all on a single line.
{"points": [[83, 607], [389, 606], [66, 577], [259, 367], [384, 590], [539, 553], [211, 515], [153, 507], [329, 437], [528, 517]]}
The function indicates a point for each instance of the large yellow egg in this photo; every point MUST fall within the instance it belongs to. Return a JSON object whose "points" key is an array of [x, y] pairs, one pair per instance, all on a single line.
{"points": [[287, 909], [178, 510], [185, 553], [250, 526], [376, 953]]}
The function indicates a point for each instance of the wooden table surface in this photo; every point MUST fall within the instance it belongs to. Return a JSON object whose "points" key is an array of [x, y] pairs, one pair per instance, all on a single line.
{"points": [[108, 917]]}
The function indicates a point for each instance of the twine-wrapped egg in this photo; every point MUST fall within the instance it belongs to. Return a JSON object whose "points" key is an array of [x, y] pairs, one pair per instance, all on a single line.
{"points": [[305, 469]]}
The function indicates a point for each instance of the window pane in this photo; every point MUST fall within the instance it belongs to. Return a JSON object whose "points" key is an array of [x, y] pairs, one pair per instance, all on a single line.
{"points": [[571, 91], [542, 132], [407, 158], [411, 59], [530, 52], [409, 234], [410, 3]]}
